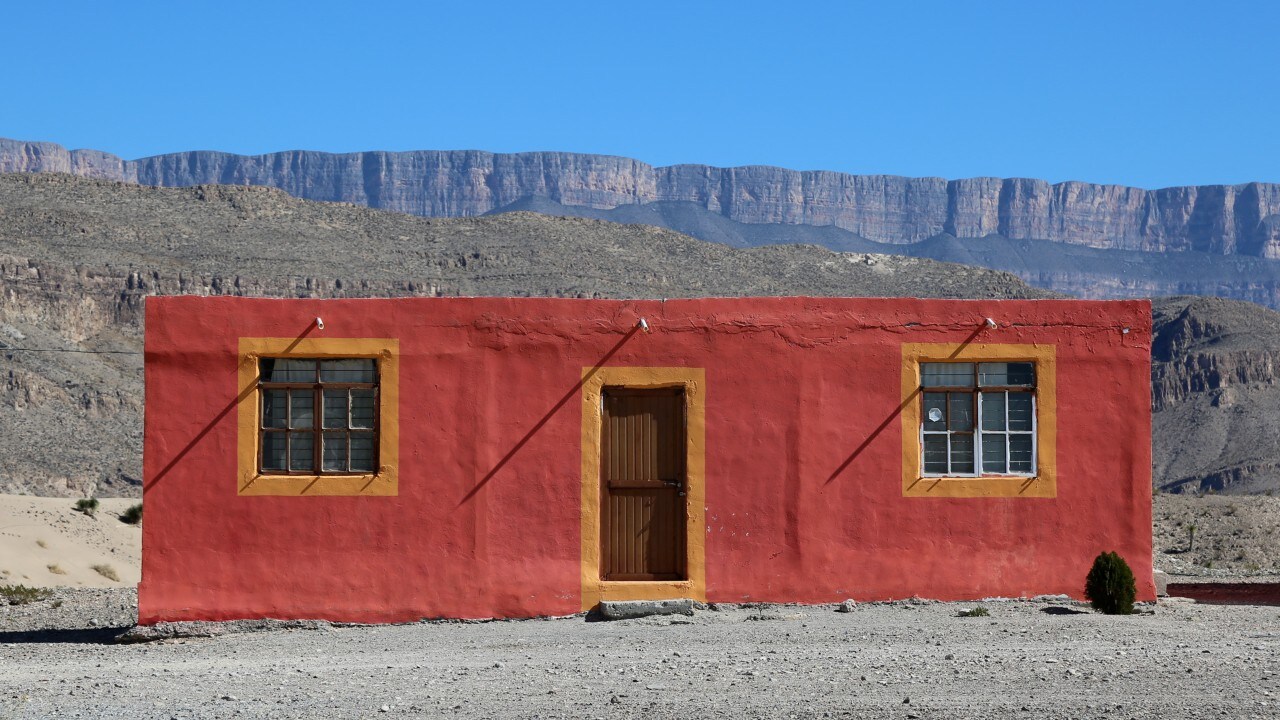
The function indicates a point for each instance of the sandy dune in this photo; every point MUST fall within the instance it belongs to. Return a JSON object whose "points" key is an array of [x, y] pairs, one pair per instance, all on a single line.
{"points": [[41, 536], [1235, 537]]}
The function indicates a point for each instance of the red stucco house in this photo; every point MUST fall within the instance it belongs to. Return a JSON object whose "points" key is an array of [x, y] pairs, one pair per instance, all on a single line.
{"points": [[390, 460]]}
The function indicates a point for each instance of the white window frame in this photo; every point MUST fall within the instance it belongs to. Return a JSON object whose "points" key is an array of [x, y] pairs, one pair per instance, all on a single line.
{"points": [[978, 432]]}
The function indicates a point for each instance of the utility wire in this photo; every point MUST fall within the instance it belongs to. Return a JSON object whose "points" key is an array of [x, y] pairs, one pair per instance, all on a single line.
{"points": [[6, 348]]}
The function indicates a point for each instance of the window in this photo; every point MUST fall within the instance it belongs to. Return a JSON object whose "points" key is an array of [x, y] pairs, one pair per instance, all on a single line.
{"points": [[978, 418], [285, 384], [319, 416]]}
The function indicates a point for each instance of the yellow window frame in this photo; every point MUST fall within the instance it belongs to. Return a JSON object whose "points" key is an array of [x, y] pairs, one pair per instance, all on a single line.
{"points": [[1044, 484], [382, 482]]}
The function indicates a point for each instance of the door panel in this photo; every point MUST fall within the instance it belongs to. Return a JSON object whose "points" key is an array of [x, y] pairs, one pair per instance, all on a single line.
{"points": [[643, 485]]}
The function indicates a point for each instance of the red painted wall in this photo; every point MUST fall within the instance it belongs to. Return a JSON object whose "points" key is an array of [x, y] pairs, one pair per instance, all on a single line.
{"points": [[794, 387]]}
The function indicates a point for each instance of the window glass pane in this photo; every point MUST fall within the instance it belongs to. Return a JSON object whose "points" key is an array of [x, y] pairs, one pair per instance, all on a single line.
{"points": [[362, 451], [1007, 374], [993, 452], [275, 413], [287, 370], [354, 370], [935, 454], [935, 411], [301, 446], [273, 446], [961, 410], [335, 409], [962, 454], [335, 451], [946, 374], [303, 408], [992, 411], [1020, 453], [362, 408], [1019, 411]]}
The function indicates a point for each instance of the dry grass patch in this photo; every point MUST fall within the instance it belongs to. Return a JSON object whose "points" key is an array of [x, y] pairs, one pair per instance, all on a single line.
{"points": [[107, 572], [88, 506], [132, 515], [21, 594], [42, 544], [56, 569]]}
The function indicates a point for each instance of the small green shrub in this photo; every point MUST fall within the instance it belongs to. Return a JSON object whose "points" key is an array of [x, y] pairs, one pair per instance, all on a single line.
{"points": [[133, 515], [21, 594], [975, 612], [88, 506], [1110, 586]]}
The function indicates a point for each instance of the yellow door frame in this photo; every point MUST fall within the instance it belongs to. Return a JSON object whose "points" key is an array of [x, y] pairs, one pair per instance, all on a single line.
{"points": [[693, 381]]}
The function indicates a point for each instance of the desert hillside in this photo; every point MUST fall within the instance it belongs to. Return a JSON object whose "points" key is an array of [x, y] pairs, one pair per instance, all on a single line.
{"points": [[78, 257]]}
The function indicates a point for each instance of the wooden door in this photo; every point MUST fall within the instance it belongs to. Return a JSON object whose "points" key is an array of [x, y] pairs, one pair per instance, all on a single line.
{"points": [[642, 477]]}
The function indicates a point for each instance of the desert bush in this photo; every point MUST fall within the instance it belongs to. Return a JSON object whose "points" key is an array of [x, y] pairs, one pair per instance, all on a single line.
{"points": [[107, 572], [21, 594], [133, 515], [1110, 586], [975, 612], [56, 569], [88, 505]]}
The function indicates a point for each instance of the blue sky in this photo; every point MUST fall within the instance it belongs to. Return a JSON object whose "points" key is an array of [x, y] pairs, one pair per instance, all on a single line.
{"points": [[1139, 93]]}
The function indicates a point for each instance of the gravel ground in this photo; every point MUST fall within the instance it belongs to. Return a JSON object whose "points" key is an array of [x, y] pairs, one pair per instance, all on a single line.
{"points": [[897, 660]]}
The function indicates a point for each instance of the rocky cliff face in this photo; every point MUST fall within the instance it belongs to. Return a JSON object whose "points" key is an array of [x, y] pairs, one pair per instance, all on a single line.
{"points": [[1220, 219], [1215, 396]]}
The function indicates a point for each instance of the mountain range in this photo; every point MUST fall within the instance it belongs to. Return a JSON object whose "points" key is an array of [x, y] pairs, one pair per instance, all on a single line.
{"points": [[78, 258], [1079, 238]]}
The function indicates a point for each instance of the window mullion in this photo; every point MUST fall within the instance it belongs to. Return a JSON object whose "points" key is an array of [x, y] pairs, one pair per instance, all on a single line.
{"points": [[1035, 435], [946, 405], [977, 433], [317, 428], [949, 473], [288, 430], [1009, 446]]}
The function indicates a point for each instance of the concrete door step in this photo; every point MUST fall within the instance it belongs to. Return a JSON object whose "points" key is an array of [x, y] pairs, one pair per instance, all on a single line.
{"points": [[623, 609]]}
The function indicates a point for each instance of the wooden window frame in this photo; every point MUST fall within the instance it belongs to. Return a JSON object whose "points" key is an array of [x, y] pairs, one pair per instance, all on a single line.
{"points": [[318, 429], [251, 480]]}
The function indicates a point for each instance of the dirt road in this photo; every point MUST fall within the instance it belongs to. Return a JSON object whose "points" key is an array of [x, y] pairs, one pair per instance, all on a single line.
{"points": [[898, 660]]}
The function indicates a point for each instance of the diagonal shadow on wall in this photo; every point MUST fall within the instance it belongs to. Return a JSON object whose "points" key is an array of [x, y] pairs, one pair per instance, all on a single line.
{"points": [[244, 393], [896, 413], [573, 391]]}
